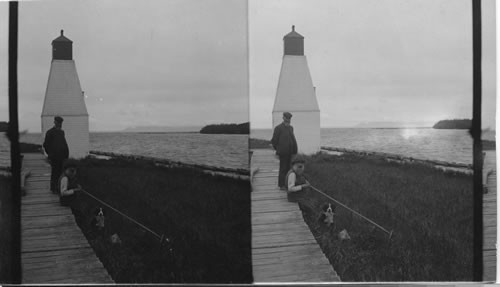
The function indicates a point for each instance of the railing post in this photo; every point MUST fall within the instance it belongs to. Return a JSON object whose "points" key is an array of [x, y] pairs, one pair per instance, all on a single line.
{"points": [[13, 134], [476, 135]]}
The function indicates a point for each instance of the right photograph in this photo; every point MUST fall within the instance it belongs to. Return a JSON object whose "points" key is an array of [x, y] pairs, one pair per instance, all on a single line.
{"points": [[360, 142]]}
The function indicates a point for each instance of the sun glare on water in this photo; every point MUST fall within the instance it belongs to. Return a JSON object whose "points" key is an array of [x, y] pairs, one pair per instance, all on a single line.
{"points": [[409, 133]]}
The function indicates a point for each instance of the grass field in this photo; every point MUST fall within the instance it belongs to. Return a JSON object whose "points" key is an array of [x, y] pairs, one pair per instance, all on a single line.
{"points": [[206, 218], [430, 212], [6, 224]]}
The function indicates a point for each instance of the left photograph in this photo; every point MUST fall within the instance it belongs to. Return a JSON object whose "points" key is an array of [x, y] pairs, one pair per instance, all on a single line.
{"points": [[134, 125]]}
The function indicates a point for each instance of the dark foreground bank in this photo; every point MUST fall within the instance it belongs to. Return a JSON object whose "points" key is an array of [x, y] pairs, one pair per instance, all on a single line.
{"points": [[6, 225], [205, 218], [429, 210]]}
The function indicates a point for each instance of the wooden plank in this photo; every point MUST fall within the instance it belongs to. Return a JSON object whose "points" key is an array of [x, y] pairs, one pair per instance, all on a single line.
{"points": [[305, 249], [56, 257], [34, 222], [55, 253], [285, 259], [283, 255], [83, 271], [36, 189], [54, 246], [292, 266], [298, 233], [64, 237], [40, 195], [283, 243], [278, 214], [268, 200], [45, 266], [37, 184], [47, 230], [271, 200], [267, 193], [274, 203], [284, 227], [280, 240], [304, 277], [37, 201], [273, 220], [44, 208], [94, 279], [489, 221], [43, 212]]}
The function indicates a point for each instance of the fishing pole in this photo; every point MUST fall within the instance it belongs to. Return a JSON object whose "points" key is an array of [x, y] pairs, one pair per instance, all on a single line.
{"points": [[160, 237], [355, 212]]}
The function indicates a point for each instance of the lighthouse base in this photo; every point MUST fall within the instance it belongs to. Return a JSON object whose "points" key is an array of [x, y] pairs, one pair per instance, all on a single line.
{"points": [[76, 130]]}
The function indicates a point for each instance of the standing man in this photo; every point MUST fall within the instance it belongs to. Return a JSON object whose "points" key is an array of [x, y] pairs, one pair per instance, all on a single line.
{"points": [[56, 147], [285, 144]]}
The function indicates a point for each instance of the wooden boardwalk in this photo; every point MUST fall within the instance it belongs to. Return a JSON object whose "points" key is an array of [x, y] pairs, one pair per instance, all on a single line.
{"points": [[490, 219], [283, 247], [53, 248]]}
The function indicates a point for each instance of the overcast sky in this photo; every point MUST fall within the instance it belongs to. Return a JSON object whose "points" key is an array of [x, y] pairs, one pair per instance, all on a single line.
{"points": [[167, 63], [185, 62], [375, 60]]}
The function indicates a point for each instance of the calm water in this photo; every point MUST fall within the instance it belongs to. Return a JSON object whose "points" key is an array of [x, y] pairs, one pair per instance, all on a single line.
{"points": [[232, 150], [428, 143], [216, 150]]}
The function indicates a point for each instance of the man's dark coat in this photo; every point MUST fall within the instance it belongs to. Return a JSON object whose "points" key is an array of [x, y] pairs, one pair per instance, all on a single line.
{"points": [[55, 144], [283, 140]]}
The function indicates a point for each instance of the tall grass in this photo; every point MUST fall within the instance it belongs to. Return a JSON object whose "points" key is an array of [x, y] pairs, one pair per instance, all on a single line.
{"points": [[430, 212], [206, 218]]}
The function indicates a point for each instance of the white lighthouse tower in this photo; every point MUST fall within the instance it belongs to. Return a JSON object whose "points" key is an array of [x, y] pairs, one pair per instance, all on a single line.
{"points": [[297, 95], [64, 97]]}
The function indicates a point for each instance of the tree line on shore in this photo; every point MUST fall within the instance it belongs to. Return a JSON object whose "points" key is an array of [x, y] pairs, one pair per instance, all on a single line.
{"points": [[243, 128], [457, 124]]}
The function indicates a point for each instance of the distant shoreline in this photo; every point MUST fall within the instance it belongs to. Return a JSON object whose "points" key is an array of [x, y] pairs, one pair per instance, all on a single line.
{"points": [[130, 132], [242, 129], [455, 124], [356, 128], [152, 132]]}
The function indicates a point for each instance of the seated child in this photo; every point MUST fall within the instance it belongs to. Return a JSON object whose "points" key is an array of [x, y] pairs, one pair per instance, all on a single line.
{"points": [[297, 185], [68, 186]]}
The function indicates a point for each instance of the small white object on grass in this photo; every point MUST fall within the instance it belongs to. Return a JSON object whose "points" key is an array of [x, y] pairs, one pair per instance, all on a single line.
{"points": [[115, 239], [343, 235]]}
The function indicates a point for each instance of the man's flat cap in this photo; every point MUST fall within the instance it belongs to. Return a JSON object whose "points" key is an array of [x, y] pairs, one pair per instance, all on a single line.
{"points": [[287, 115]]}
